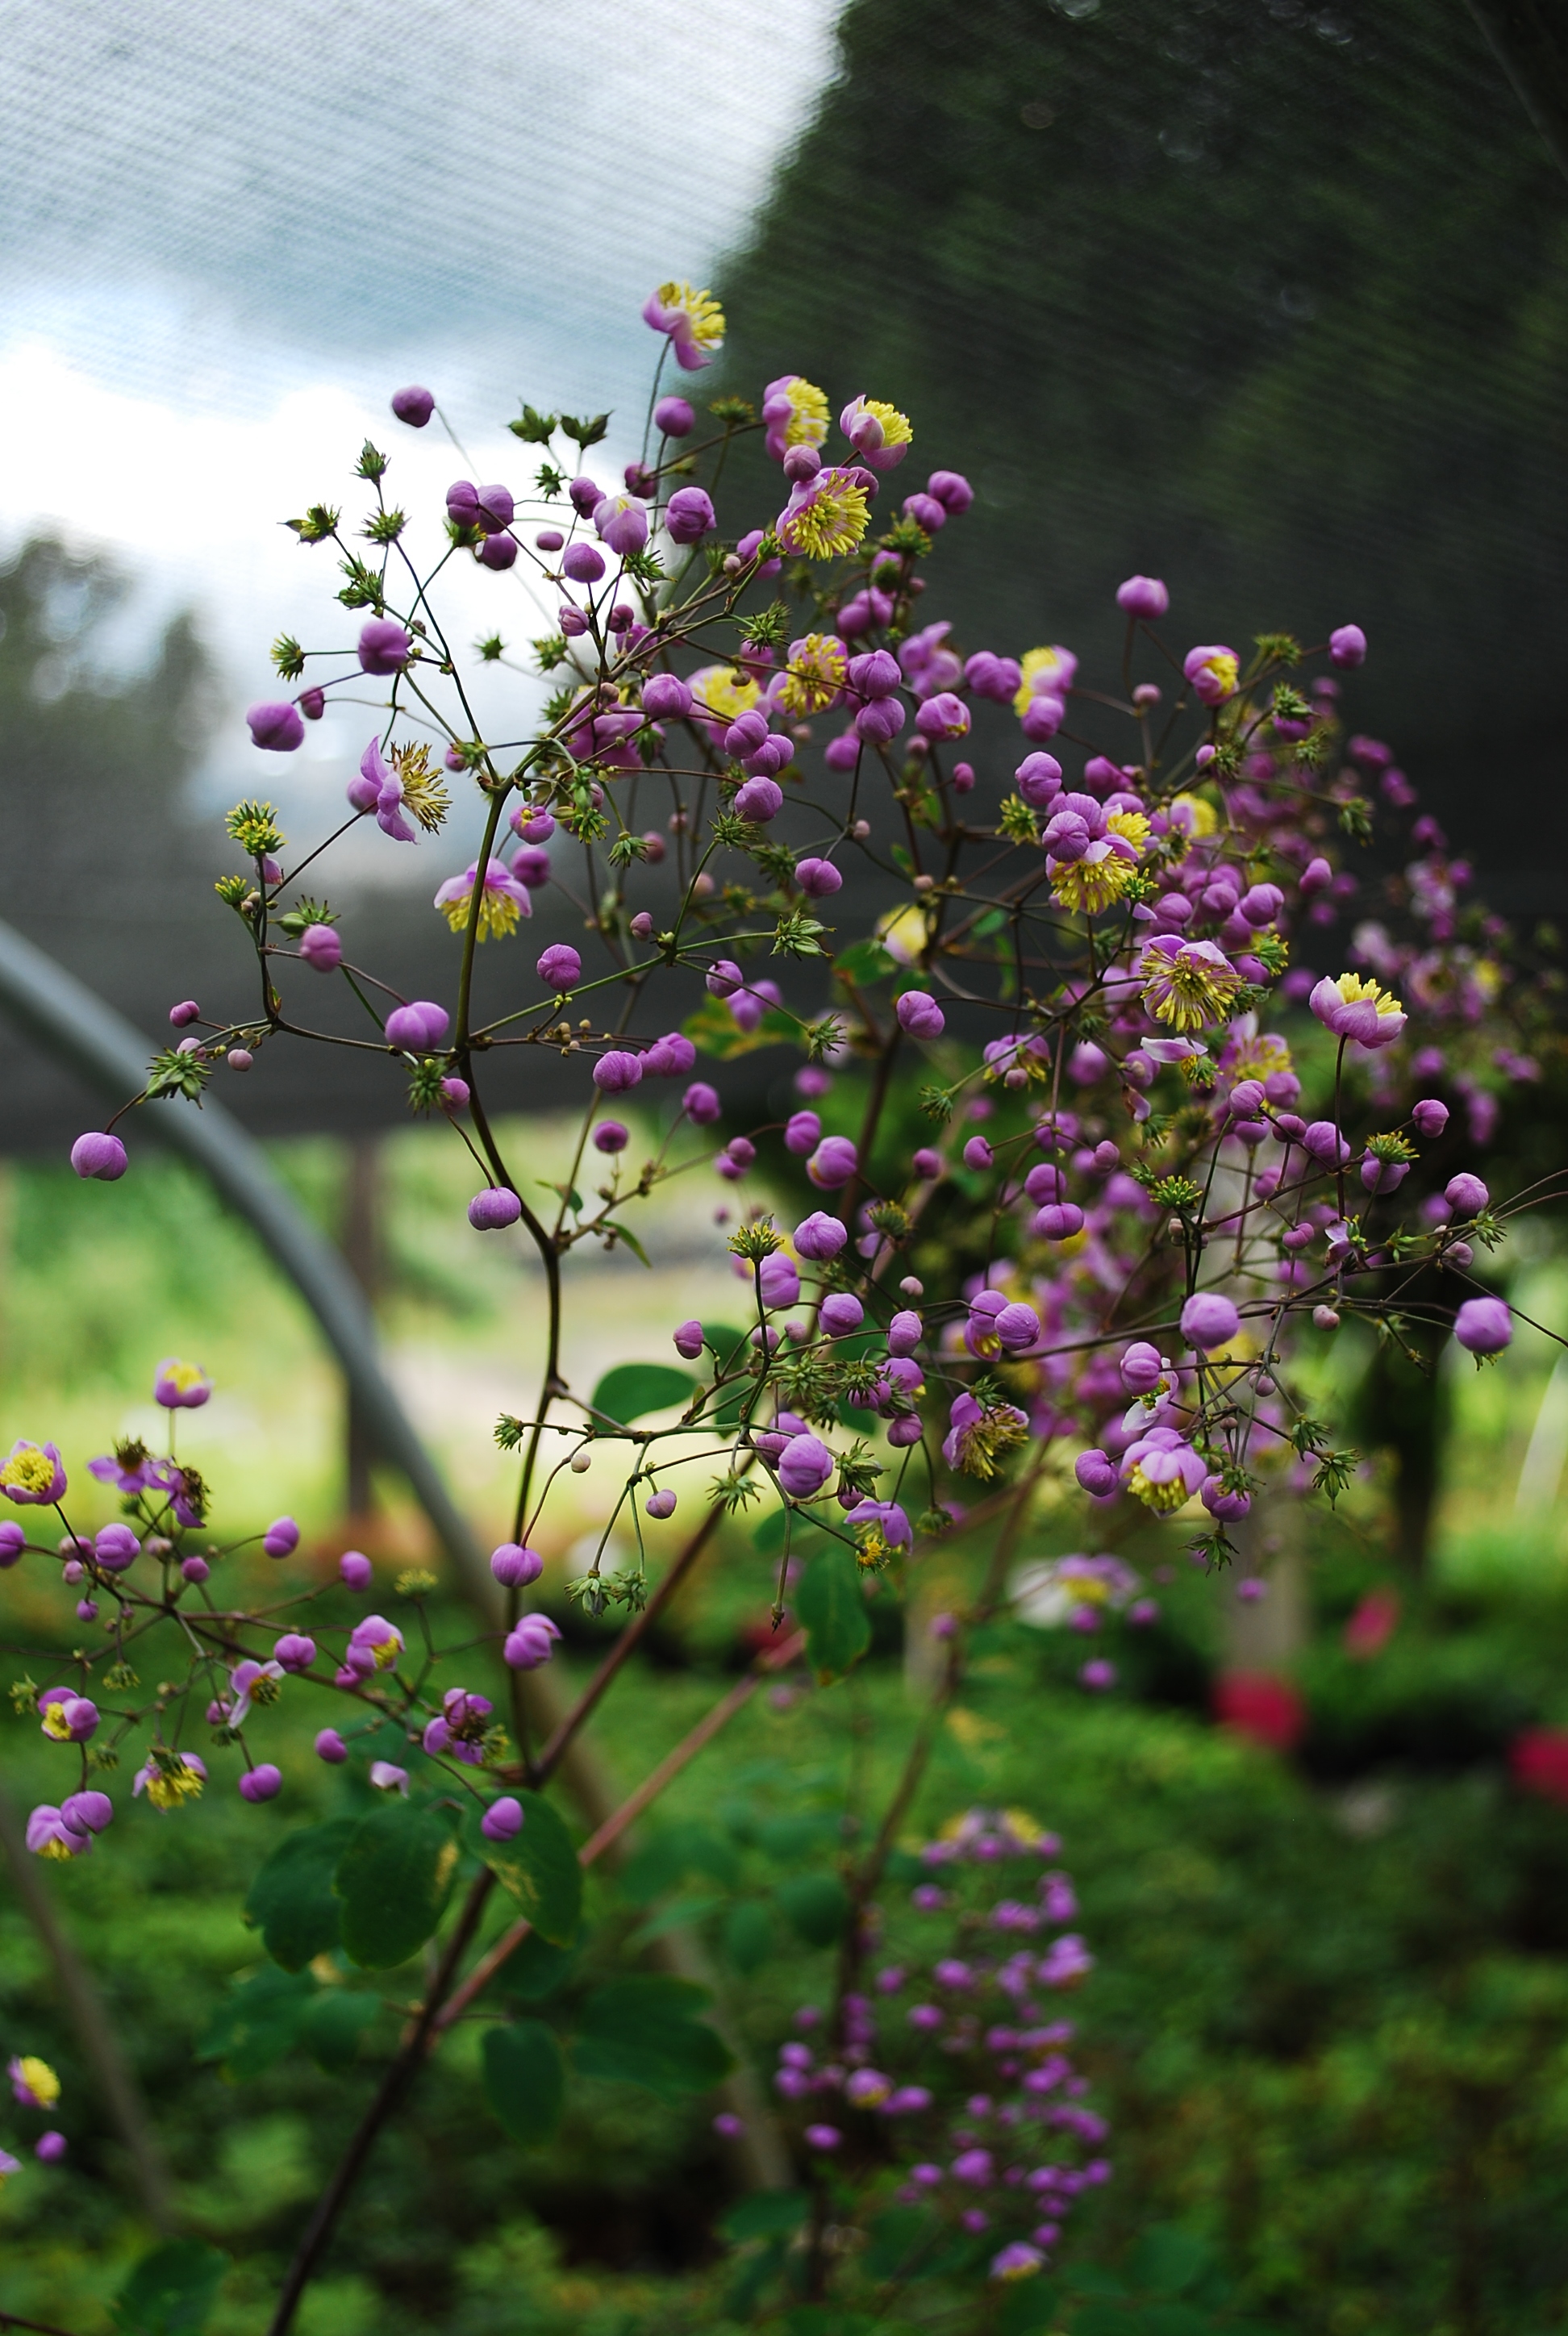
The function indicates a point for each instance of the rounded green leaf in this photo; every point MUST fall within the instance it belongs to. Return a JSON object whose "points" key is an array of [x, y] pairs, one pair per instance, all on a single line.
{"points": [[291, 1900], [645, 2032], [394, 1880], [817, 1905], [830, 1602], [633, 1389], [524, 2080], [748, 1936], [332, 2025], [538, 1867]]}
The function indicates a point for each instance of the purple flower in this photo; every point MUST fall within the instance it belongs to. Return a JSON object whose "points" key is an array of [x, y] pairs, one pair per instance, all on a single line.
{"points": [[263, 1783], [321, 947], [502, 900], [1213, 671], [1348, 645], [489, 509], [666, 697], [819, 1236], [502, 1821], [688, 1340], [1209, 1319], [674, 417], [1096, 1472], [374, 1645], [818, 879], [609, 1135], [331, 1748], [1430, 1117], [99, 1155], [50, 2147], [689, 515], [879, 1526], [1466, 1196], [531, 1643], [1019, 2260], [1161, 1470], [277, 726], [387, 1777], [65, 1717], [621, 522], [804, 1466], [920, 1015], [691, 319], [834, 1162], [281, 1538], [1141, 1368], [1143, 595], [355, 1569], [1353, 1007], [413, 405], [181, 1387], [778, 1280], [660, 1504], [824, 2136], [802, 1133], [1230, 1506], [31, 1474], [51, 1834], [384, 646], [669, 1057], [13, 1541], [617, 1071], [493, 1210], [1484, 1326], [701, 1104], [295, 1652]]}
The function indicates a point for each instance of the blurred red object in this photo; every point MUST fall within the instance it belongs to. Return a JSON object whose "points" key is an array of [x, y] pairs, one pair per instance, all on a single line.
{"points": [[1256, 1705], [1372, 1625], [1539, 1759]]}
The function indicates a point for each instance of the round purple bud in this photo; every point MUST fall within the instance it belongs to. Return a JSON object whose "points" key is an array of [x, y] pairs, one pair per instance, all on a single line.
{"points": [[819, 879], [331, 1748], [99, 1155], [833, 1163], [1484, 1326], [674, 417], [1209, 1319], [294, 1650], [493, 1209], [1348, 645], [321, 947], [609, 1135], [701, 1104], [1466, 1195], [560, 968], [583, 564], [502, 1821], [275, 726], [1143, 595], [841, 1314], [513, 1567], [355, 1569], [281, 1538], [413, 405], [1430, 1117], [261, 1784], [689, 515], [384, 646], [618, 1071]]}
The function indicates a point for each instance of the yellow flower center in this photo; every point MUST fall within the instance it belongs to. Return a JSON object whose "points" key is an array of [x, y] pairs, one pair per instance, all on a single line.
{"points": [[808, 422], [184, 1375], [40, 2080], [1161, 1498], [1354, 988], [815, 675], [53, 1719], [27, 1471], [829, 522], [701, 311], [1042, 671], [896, 427], [1094, 884], [722, 693], [168, 1788]]}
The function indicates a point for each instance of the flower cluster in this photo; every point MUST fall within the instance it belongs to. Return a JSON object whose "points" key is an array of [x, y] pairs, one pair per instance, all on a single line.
{"points": [[954, 2066]]}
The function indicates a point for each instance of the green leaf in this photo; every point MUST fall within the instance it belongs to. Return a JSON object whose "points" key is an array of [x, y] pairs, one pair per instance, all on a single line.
{"points": [[171, 2291], [748, 1936], [645, 2032], [1168, 2260], [864, 961], [678, 1915], [899, 2242], [765, 2212], [291, 1900], [332, 2025], [394, 1878], [817, 1905], [257, 2021], [1031, 2303], [633, 1389], [524, 2080], [672, 1852], [1107, 2320], [830, 1602], [535, 1969], [625, 1233], [538, 1867]]}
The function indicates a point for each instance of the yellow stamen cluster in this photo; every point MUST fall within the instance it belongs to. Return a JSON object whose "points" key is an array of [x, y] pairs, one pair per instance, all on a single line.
{"points": [[897, 428], [829, 520], [1161, 1498], [1355, 987], [815, 675], [424, 789], [52, 1718], [982, 1448], [701, 311], [27, 1471], [40, 2080], [808, 422], [1094, 884], [1043, 672], [1188, 991], [169, 1788], [722, 693], [498, 913]]}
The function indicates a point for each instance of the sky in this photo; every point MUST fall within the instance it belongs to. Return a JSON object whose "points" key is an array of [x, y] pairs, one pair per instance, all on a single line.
{"points": [[230, 232]]}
